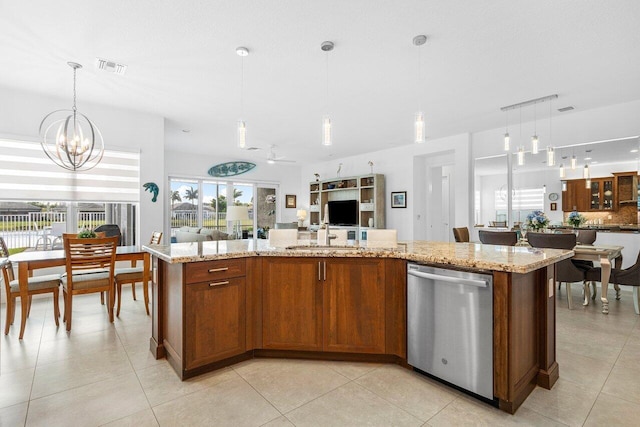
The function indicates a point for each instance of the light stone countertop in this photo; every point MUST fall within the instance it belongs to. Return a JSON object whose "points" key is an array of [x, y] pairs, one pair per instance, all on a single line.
{"points": [[465, 255]]}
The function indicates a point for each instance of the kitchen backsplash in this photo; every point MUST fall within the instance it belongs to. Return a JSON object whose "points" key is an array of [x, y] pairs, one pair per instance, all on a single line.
{"points": [[623, 216]]}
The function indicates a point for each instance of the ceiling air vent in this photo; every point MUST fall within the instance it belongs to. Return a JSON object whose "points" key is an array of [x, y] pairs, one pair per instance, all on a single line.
{"points": [[563, 109], [111, 66]]}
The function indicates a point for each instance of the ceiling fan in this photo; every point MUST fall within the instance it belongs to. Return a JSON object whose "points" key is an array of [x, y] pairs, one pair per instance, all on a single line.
{"points": [[272, 158]]}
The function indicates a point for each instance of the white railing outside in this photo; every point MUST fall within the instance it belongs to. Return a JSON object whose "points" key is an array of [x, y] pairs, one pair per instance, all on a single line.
{"points": [[33, 230]]}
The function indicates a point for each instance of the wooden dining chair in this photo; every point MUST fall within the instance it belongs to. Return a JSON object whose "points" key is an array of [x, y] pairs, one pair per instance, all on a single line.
{"points": [[35, 285], [566, 270], [505, 238], [90, 266], [461, 234], [133, 275]]}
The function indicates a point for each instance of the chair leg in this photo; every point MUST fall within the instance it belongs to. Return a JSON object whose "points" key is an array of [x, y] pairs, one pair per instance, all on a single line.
{"points": [[586, 291], [29, 310], [56, 308], [68, 310], [617, 288], [119, 295], [102, 298], [559, 285], [595, 290], [11, 303], [133, 291], [145, 290], [568, 287], [110, 303], [13, 309], [636, 299]]}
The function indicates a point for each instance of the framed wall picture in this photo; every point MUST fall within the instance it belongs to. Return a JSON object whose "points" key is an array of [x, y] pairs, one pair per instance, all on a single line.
{"points": [[290, 201], [398, 199], [554, 206]]}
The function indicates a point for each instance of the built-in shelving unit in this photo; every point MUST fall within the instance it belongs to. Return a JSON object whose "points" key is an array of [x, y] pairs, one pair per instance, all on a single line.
{"points": [[368, 190]]}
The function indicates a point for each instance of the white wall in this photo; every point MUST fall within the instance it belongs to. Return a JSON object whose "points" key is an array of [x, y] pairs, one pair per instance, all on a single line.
{"points": [[397, 164], [21, 113]]}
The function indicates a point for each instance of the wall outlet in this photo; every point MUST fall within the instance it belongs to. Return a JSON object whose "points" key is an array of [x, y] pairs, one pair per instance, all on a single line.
{"points": [[609, 217]]}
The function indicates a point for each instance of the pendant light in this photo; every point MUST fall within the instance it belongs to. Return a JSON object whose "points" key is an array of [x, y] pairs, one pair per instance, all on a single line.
{"points": [[574, 161], [587, 183], [521, 156], [585, 172], [551, 154], [563, 173], [69, 138], [419, 126], [507, 138], [534, 138], [241, 126], [327, 139]]}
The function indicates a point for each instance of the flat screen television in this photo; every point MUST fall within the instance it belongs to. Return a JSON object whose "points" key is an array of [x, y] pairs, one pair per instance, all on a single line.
{"points": [[343, 212]]}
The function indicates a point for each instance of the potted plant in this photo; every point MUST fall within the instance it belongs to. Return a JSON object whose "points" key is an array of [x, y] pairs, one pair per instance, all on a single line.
{"points": [[537, 220], [87, 234], [575, 219]]}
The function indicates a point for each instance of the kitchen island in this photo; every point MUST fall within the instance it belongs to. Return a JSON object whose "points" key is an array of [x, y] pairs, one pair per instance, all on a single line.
{"points": [[217, 303]]}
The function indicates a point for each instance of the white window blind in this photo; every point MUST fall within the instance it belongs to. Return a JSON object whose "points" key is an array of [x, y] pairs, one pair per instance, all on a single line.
{"points": [[26, 173], [523, 200]]}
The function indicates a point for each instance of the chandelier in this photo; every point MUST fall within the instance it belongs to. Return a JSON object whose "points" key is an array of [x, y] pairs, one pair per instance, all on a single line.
{"points": [[69, 138]]}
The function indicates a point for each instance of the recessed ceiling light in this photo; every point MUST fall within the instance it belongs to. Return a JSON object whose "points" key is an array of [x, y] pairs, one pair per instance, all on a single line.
{"points": [[635, 150], [567, 108], [587, 158], [594, 162], [186, 130], [111, 66]]}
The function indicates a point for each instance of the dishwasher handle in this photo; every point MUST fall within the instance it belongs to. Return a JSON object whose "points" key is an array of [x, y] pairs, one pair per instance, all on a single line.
{"points": [[458, 280]]}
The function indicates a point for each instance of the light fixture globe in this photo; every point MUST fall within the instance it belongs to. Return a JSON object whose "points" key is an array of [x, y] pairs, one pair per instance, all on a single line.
{"points": [[69, 138]]}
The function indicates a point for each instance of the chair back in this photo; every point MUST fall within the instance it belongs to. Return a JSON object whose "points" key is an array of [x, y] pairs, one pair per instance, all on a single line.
{"points": [[506, 238], [90, 254], [109, 230], [461, 234], [7, 268], [382, 238], [156, 237], [586, 237], [553, 241], [497, 223], [283, 238]]}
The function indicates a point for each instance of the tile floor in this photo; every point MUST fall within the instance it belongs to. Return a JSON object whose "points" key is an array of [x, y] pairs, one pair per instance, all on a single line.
{"points": [[103, 374]]}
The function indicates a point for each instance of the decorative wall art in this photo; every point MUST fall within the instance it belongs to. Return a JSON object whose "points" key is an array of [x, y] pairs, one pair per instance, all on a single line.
{"points": [[152, 187], [290, 200], [399, 199], [230, 169]]}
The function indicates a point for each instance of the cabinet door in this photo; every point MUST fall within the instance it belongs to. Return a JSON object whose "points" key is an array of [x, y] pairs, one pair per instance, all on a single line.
{"points": [[291, 304], [354, 305], [214, 321]]}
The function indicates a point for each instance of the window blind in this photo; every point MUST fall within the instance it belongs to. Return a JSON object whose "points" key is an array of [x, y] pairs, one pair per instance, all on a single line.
{"points": [[26, 173], [523, 200]]}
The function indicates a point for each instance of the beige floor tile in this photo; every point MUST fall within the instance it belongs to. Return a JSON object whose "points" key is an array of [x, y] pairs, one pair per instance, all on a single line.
{"points": [[630, 355], [279, 422], [353, 370], [591, 373], [144, 418], [142, 357], [15, 387], [18, 354], [624, 382], [79, 371], [416, 394], [351, 405], [93, 404], [230, 403], [609, 410], [470, 412], [566, 402], [288, 384], [78, 345], [15, 415], [161, 384], [596, 345]]}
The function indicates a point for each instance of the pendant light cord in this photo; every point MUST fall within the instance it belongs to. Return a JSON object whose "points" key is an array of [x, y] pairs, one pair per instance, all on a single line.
{"points": [[242, 87], [419, 77], [327, 76], [74, 90]]}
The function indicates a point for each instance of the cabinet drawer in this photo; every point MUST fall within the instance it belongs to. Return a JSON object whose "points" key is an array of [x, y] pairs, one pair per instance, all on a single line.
{"points": [[210, 271]]}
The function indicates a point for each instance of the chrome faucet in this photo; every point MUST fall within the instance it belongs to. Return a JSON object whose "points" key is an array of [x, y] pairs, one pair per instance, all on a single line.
{"points": [[328, 237]]}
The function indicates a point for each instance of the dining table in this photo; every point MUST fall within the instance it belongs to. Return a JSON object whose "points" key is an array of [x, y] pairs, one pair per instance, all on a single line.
{"points": [[602, 254], [28, 261]]}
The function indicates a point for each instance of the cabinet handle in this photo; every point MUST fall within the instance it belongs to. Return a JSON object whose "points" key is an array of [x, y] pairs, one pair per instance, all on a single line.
{"points": [[319, 277], [215, 270], [211, 285], [325, 270]]}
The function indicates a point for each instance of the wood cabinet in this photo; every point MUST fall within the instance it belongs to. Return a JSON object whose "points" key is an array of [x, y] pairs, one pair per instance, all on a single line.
{"points": [[599, 195], [626, 188], [328, 304]]}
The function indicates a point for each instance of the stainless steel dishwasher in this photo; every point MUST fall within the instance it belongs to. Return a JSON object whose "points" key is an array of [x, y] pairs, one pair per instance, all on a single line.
{"points": [[450, 326]]}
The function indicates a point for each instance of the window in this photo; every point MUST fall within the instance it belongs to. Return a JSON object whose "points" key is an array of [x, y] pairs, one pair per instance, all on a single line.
{"points": [[524, 202]]}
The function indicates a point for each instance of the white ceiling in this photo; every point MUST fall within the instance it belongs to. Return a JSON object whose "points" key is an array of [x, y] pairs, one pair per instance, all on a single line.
{"points": [[480, 56]]}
